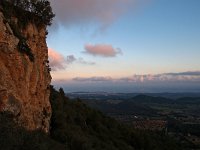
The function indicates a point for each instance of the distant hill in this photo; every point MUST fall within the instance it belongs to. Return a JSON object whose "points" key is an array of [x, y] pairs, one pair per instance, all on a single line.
{"points": [[125, 96], [81, 128], [145, 105]]}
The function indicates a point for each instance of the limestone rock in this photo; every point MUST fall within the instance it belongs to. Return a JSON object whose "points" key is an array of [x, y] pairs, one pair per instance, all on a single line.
{"points": [[24, 85]]}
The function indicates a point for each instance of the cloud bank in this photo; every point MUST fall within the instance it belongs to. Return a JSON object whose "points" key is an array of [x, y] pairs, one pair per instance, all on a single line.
{"points": [[165, 77], [188, 73], [93, 79], [166, 82], [59, 62], [104, 50], [80, 12]]}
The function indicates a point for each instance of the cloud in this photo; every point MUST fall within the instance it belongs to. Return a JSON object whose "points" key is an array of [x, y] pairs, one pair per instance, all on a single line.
{"points": [[166, 82], [80, 12], [70, 59], [82, 61], [181, 76], [165, 77], [189, 73], [104, 50], [56, 60], [59, 62], [93, 79]]}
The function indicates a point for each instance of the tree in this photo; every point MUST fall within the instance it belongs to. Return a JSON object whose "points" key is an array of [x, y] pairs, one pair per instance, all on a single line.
{"points": [[62, 93], [38, 8], [43, 9]]}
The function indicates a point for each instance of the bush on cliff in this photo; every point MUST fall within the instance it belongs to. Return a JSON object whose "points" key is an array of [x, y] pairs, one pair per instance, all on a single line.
{"points": [[38, 12]]}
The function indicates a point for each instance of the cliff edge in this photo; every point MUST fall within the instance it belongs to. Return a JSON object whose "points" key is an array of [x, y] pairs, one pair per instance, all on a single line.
{"points": [[24, 83]]}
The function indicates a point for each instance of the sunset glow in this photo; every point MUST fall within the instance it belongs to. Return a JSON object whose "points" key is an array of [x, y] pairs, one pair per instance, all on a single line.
{"points": [[127, 42]]}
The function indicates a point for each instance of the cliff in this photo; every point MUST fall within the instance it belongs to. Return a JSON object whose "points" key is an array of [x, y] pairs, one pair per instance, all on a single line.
{"points": [[24, 83]]}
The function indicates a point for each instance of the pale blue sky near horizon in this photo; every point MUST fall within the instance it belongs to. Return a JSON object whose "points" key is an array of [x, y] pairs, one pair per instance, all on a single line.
{"points": [[155, 37]]}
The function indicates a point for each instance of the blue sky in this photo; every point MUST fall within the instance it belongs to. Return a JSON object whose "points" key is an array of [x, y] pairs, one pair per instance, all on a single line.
{"points": [[120, 39]]}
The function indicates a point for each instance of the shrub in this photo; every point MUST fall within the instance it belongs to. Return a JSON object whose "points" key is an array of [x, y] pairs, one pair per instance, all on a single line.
{"points": [[38, 12]]}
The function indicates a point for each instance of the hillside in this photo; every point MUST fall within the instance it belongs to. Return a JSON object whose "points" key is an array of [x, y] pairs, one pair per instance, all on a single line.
{"points": [[82, 128], [178, 117], [75, 126]]}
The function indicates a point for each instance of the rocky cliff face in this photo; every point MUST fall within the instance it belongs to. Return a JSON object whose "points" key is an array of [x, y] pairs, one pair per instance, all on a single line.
{"points": [[24, 84]]}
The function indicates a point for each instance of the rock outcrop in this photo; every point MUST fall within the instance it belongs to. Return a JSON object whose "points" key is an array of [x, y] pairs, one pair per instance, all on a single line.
{"points": [[24, 84]]}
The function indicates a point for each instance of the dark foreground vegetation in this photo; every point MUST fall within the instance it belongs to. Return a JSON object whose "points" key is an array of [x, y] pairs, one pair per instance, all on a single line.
{"points": [[75, 126], [13, 137]]}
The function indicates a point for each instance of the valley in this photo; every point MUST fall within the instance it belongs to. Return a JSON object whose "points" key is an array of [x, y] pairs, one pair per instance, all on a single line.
{"points": [[171, 114]]}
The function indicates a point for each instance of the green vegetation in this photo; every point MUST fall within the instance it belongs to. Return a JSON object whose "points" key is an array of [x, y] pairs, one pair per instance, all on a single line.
{"points": [[180, 118], [82, 128], [13, 137], [75, 126], [28, 11], [38, 12]]}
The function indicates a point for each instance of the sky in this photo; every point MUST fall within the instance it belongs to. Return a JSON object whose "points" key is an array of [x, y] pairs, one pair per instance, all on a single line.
{"points": [[125, 45]]}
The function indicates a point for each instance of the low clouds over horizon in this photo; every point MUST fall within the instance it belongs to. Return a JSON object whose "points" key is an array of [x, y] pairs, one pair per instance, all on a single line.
{"points": [[59, 62], [193, 76], [104, 50], [166, 82], [93, 79]]}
